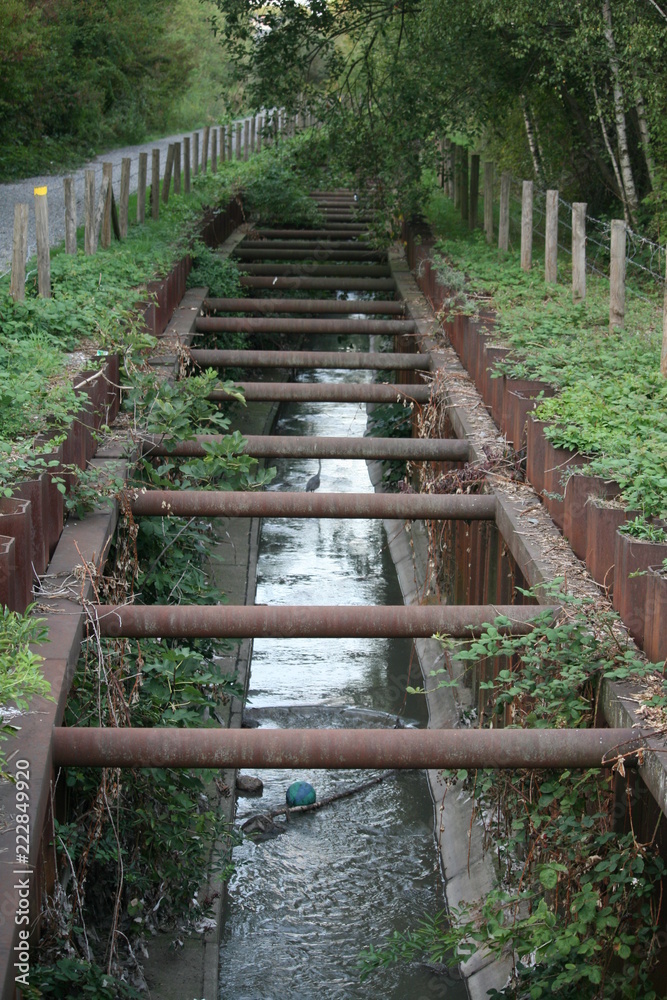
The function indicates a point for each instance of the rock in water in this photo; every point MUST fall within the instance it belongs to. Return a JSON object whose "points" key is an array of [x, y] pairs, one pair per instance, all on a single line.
{"points": [[247, 785], [300, 793]]}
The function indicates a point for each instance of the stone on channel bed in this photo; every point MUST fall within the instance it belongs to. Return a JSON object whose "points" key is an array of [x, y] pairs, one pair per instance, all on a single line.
{"points": [[247, 785], [300, 793]]}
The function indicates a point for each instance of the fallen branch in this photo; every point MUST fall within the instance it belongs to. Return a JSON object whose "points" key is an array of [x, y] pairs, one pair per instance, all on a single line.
{"points": [[345, 794]]}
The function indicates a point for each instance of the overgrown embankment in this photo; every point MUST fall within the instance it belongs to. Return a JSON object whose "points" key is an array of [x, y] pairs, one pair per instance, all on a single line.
{"points": [[142, 843], [611, 400]]}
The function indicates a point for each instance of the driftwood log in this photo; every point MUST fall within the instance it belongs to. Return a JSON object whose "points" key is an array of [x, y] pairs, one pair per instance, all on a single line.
{"points": [[261, 821]]}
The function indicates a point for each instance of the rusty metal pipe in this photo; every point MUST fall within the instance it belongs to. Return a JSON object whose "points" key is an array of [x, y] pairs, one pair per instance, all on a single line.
{"points": [[269, 306], [287, 446], [328, 392], [307, 234], [312, 245], [374, 361], [281, 324], [319, 270], [319, 284], [411, 506], [319, 254], [307, 622], [343, 748]]}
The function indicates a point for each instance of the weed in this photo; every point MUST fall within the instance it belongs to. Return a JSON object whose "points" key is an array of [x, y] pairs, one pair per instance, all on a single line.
{"points": [[20, 669], [611, 398], [576, 902]]}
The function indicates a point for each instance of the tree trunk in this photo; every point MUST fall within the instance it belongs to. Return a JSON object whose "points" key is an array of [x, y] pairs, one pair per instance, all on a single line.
{"points": [[532, 140], [610, 151], [644, 132], [621, 129]]}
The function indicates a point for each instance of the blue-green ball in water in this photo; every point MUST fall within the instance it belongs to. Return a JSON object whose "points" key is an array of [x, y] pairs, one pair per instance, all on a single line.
{"points": [[300, 793]]}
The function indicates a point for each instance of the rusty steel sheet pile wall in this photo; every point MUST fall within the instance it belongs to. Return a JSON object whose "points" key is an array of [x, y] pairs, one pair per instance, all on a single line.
{"points": [[618, 563], [31, 521], [484, 411], [34, 540]]}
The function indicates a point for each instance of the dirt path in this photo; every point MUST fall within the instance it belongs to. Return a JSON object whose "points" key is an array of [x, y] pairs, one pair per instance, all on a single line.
{"points": [[22, 192]]}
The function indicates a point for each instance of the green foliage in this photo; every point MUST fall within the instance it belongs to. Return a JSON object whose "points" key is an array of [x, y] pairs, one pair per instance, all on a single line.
{"points": [[550, 90], [70, 977], [81, 77], [644, 530], [220, 274], [165, 830], [275, 191], [391, 420], [611, 399], [577, 902], [21, 677]]}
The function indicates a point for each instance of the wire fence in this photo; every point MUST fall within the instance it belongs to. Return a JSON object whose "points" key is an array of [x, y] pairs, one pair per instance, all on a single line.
{"points": [[645, 260], [57, 215]]}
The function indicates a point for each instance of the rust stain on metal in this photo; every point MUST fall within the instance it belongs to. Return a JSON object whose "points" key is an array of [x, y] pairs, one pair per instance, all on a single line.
{"points": [[341, 748], [369, 360], [268, 306], [300, 325], [299, 621], [410, 506], [329, 392], [277, 446]]}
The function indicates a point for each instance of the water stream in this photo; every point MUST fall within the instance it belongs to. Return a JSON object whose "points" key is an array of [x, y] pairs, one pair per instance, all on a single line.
{"points": [[303, 905]]}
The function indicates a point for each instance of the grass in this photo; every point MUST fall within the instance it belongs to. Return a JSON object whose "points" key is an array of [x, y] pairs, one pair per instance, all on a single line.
{"points": [[94, 304], [611, 400]]}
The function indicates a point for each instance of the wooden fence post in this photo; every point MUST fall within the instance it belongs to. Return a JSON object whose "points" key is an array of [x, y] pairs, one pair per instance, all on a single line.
{"points": [[204, 152], [89, 211], [141, 187], [223, 143], [177, 168], [195, 154], [253, 133], [617, 276], [451, 181], [105, 235], [155, 184], [214, 151], [474, 191], [260, 130], [186, 164], [489, 178], [168, 167], [456, 177], [465, 203], [100, 208], [551, 238], [504, 220], [246, 138], [578, 251], [19, 252], [124, 204], [527, 226], [43, 248], [70, 215], [230, 143], [239, 128]]}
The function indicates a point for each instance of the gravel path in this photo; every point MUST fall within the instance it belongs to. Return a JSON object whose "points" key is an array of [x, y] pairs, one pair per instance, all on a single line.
{"points": [[22, 192]]}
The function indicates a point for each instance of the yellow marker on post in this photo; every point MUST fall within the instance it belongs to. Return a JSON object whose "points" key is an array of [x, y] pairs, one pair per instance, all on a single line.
{"points": [[42, 234]]}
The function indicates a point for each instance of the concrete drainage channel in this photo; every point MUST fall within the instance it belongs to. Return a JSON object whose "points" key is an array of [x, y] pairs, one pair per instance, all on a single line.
{"points": [[342, 263]]}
